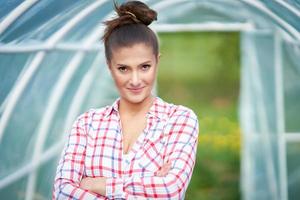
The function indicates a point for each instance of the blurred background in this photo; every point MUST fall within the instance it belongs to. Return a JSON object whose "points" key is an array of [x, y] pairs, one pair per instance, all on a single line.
{"points": [[202, 71], [234, 62]]}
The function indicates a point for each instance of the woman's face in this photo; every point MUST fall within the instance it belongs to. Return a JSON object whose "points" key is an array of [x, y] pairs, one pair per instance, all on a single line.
{"points": [[134, 71]]}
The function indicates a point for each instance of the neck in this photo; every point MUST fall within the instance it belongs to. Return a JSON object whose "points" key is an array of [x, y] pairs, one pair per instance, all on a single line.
{"points": [[133, 109]]}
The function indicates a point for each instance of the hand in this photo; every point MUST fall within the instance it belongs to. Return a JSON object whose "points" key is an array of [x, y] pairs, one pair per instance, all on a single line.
{"points": [[96, 185], [164, 169]]}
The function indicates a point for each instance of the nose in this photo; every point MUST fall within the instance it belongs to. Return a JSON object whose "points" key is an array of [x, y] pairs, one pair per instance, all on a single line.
{"points": [[135, 79]]}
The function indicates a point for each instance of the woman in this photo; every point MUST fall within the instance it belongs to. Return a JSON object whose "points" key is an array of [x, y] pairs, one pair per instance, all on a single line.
{"points": [[140, 147]]}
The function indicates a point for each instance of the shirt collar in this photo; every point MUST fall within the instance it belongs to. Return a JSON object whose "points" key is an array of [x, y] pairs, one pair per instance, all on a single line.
{"points": [[157, 109], [113, 107]]}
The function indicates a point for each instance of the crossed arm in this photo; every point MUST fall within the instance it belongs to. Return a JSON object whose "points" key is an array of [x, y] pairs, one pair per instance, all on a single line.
{"points": [[170, 182], [98, 184]]}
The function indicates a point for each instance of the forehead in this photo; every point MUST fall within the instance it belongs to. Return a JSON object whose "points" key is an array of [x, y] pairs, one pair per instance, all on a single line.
{"points": [[136, 53]]}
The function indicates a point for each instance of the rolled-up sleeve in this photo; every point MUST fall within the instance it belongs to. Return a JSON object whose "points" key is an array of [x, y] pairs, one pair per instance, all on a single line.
{"points": [[70, 169], [181, 147]]}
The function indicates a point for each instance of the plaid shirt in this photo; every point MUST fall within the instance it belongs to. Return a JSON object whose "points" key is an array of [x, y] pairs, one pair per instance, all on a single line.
{"points": [[94, 149]]}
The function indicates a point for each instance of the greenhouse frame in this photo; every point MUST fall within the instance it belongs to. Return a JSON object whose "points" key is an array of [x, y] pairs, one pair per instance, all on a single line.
{"points": [[49, 73]]}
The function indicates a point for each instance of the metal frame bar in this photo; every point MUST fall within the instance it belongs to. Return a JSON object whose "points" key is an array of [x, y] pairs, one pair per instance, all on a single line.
{"points": [[212, 26], [29, 167], [81, 93], [43, 47], [279, 96], [158, 27], [244, 113], [258, 5], [292, 137], [263, 121], [164, 4], [15, 14], [289, 7]]}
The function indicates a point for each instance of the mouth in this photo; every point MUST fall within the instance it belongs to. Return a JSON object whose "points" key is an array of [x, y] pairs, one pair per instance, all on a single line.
{"points": [[136, 90]]}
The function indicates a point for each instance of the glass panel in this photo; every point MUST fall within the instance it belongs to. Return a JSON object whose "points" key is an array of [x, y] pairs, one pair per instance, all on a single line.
{"points": [[283, 12], [16, 190], [195, 12], [293, 170], [56, 131], [8, 6], [42, 20], [10, 68], [20, 134], [294, 3], [260, 170], [103, 82], [291, 76], [45, 179], [101, 91], [92, 21]]}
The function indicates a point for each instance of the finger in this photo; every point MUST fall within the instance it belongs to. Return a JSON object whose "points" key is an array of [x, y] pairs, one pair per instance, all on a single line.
{"points": [[159, 173], [166, 166], [167, 163], [164, 171]]}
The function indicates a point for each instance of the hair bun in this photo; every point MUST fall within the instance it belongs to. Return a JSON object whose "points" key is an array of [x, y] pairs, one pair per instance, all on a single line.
{"points": [[137, 11]]}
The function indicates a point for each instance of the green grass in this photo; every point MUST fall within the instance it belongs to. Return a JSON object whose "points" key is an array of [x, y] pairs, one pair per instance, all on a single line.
{"points": [[201, 71]]}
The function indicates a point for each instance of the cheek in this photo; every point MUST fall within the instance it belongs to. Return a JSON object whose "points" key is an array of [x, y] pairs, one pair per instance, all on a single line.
{"points": [[120, 80], [152, 76]]}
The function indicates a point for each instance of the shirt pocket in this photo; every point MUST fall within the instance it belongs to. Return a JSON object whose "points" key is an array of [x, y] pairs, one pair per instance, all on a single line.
{"points": [[151, 156]]}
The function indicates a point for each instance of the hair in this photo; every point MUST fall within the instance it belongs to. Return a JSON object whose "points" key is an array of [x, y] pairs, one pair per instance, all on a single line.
{"points": [[130, 27]]}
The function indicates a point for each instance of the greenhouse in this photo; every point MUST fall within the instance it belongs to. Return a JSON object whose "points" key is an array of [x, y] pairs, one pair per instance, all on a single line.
{"points": [[52, 68]]}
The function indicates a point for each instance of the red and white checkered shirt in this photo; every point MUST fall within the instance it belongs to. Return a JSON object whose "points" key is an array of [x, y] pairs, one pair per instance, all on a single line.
{"points": [[94, 149]]}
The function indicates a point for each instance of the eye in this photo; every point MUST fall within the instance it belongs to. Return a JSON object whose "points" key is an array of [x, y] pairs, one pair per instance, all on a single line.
{"points": [[122, 69], [145, 67]]}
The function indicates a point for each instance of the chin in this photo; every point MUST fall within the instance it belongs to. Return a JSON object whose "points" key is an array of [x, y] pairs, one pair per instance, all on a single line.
{"points": [[136, 98]]}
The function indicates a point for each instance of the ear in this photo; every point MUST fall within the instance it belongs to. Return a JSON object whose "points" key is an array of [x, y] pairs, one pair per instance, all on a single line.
{"points": [[158, 57]]}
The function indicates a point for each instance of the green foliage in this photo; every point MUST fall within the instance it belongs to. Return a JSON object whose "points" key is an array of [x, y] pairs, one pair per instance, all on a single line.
{"points": [[201, 71]]}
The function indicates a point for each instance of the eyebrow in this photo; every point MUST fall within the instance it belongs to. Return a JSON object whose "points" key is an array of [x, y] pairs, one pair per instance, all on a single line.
{"points": [[123, 65]]}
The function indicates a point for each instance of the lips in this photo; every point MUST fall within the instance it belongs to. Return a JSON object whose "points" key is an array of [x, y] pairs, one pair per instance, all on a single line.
{"points": [[136, 90]]}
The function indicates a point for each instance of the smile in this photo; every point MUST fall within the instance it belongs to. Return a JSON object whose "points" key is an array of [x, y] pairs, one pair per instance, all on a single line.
{"points": [[136, 90]]}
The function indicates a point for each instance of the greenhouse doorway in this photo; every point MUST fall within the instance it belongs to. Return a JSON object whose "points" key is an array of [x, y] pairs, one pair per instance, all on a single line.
{"points": [[201, 70]]}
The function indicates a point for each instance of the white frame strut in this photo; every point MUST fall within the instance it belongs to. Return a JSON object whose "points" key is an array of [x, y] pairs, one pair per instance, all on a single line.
{"points": [[15, 14], [257, 4], [279, 96]]}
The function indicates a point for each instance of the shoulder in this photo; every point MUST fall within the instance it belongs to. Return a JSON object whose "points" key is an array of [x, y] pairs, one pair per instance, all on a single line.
{"points": [[182, 123], [174, 111], [183, 111], [93, 112], [178, 114], [92, 115]]}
